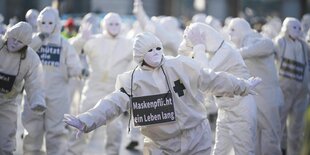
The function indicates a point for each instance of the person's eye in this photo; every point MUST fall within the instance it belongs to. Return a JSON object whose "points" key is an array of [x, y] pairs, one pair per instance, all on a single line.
{"points": [[150, 50], [232, 30], [43, 23], [294, 27], [111, 24], [50, 23], [158, 48], [116, 24]]}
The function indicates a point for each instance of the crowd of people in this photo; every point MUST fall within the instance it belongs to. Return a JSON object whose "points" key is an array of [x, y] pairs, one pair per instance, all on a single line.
{"points": [[171, 85]]}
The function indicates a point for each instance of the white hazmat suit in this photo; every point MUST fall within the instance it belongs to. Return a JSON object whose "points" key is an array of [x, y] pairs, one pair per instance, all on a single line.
{"points": [[18, 69], [167, 100], [293, 65], [60, 62], [234, 114], [109, 54], [305, 23], [89, 27], [258, 54]]}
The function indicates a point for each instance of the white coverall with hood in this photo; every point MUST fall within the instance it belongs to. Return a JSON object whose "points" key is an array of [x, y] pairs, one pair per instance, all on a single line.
{"points": [[14, 68], [173, 83], [109, 54], [89, 27], [60, 62], [258, 54], [236, 122], [292, 54]]}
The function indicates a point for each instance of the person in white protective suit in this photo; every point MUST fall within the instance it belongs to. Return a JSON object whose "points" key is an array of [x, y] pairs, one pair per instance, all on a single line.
{"points": [[258, 54], [272, 28], [31, 18], [108, 55], [170, 37], [165, 97], [292, 55], [19, 67], [60, 62], [89, 27], [234, 114], [305, 23]]}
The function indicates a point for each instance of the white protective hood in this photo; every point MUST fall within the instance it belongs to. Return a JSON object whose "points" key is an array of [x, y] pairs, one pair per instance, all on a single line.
{"points": [[287, 23], [241, 29], [143, 42], [305, 23], [31, 17], [213, 39], [199, 18], [111, 18], [49, 11], [21, 31]]}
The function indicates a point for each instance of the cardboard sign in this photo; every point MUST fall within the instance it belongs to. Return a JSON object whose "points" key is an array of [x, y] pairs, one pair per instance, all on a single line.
{"points": [[153, 109], [50, 55]]}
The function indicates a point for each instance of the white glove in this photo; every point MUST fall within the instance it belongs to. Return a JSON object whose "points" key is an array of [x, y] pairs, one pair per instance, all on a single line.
{"points": [[76, 123], [253, 82], [86, 31], [194, 36]]}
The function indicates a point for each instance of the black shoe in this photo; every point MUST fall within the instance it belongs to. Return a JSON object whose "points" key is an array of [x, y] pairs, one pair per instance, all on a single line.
{"points": [[132, 145], [283, 151]]}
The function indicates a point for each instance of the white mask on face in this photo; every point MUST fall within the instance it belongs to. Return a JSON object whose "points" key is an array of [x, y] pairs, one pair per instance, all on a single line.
{"points": [[47, 24], [154, 56], [113, 28], [14, 45], [112, 23], [294, 30], [233, 35], [238, 28]]}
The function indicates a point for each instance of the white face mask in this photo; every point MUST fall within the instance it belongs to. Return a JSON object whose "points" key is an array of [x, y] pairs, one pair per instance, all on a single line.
{"points": [[47, 24], [294, 30], [154, 56], [113, 27], [14, 45], [233, 35]]}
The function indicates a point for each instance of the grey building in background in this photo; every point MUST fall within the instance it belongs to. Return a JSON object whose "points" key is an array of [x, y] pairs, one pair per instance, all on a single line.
{"points": [[179, 8]]}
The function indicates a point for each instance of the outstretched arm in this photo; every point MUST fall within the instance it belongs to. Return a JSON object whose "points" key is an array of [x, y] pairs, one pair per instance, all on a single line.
{"points": [[224, 84], [139, 12], [260, 48], [104, 111]]}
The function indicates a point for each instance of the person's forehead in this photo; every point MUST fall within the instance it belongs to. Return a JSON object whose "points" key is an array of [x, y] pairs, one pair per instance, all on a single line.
{"points": [[48, 17], [113, 19], [15, 39], [293, 23]]}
